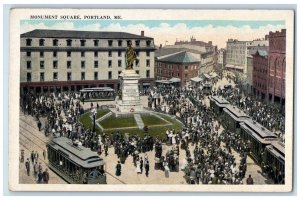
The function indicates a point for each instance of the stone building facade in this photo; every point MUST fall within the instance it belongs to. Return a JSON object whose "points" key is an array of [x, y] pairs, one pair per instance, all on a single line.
{"points": [[59, 60]]}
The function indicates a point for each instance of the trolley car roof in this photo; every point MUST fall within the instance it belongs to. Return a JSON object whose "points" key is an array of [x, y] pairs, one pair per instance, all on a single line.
{"points": [[97, 89], [236, 113], [258, 131], [219, 100], [275, 152], [78, 154]]}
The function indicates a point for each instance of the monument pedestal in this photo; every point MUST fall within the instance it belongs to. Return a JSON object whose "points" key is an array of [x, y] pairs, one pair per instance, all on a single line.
{"points": [[130, 101]]}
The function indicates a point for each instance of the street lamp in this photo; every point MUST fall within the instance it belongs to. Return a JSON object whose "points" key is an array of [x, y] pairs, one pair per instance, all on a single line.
{"points": [[94, 111]]}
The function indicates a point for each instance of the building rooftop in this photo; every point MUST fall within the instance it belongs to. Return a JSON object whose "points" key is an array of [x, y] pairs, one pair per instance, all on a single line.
{"points": [[46, 33], [167, 51], [181, 57], [197, 79], [262, 53]]}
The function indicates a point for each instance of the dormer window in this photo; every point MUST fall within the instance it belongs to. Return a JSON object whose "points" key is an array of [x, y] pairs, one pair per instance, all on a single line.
{"points": [[120, 43], [148, 43], [42, 42], [137, 43], [96, 43], [69, 43], [55, 42], [82, 43], [28, 42]]}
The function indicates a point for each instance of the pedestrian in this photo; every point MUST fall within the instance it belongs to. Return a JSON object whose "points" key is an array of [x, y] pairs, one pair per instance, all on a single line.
{"points": [[249, 180], [27, 165], [40, 167], [36, 156], [106, 149], [141, 165], [118, 169], [39, 124], [147, 167], [138, 168], [36, 170], [46, 176], [167, 170], [32, 157], [44, 154], [40, 178]]}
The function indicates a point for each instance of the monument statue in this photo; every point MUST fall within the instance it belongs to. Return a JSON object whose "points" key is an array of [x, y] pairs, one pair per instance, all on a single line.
{"points": [[130, 56]]}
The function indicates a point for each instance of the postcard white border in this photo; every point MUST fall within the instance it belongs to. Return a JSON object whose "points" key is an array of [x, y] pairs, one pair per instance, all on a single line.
{"points": [[147, 14]]}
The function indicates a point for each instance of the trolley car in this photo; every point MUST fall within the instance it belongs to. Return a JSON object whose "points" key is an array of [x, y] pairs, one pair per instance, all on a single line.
{"points": [[265, 146], [258, 136], [275, 156], [97, 94], [75, 164], [217, 104]]}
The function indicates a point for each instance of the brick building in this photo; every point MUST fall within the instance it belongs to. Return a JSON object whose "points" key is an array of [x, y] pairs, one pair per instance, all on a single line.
{"points": [[260, 73], [277, 65], [209, 53], [59, 60], [183, 65]]}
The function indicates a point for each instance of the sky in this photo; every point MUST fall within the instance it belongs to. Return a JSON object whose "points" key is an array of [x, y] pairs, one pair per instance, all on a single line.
{"points": [[166, 32]]}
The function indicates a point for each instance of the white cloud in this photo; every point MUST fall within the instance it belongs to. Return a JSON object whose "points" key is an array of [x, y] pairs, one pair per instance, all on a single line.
{"points": [[165, 32]]}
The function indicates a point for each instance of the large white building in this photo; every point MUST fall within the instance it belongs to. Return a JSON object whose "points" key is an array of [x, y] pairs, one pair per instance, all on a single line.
{"points": [[236, 55], [238, 51], [59, 60]]}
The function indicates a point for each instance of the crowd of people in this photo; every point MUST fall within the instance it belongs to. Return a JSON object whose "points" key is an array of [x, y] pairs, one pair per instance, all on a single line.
{"points": [[209, 162], [208, 152], [267, 114]]}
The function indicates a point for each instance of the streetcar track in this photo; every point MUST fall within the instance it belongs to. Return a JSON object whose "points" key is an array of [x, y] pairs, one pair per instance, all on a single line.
{"points": [[43, 148], [32, 142], [35, 135], [40, 141]]}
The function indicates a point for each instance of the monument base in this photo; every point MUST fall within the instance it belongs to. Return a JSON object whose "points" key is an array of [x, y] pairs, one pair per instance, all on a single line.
{"points": [[130, 101]]}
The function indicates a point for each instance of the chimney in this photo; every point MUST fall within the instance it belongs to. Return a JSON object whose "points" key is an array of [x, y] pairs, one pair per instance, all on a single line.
{"points": [[267, 37], [142, 33]]}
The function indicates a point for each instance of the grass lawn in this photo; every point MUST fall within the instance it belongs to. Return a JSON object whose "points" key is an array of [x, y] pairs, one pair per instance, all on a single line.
{"points": [[157, 132], [101, 113], [176, 125], [113, 122], [88, 122], [152, 120]]}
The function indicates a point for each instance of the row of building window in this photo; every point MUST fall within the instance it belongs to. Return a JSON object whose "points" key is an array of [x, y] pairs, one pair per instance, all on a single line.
{"points": [[83, 42], [96, 64], [82, 53], [69, 75]]}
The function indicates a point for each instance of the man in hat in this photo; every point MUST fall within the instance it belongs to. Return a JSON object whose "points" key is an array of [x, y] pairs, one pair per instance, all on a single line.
{"points": [[118, 169], [46, 176], [36, 170], [249, 180], [27, 165], [147, 167]]}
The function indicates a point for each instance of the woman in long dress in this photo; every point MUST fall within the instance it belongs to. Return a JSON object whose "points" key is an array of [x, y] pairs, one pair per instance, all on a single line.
{"points": [[167, 169], [138, 169]]}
